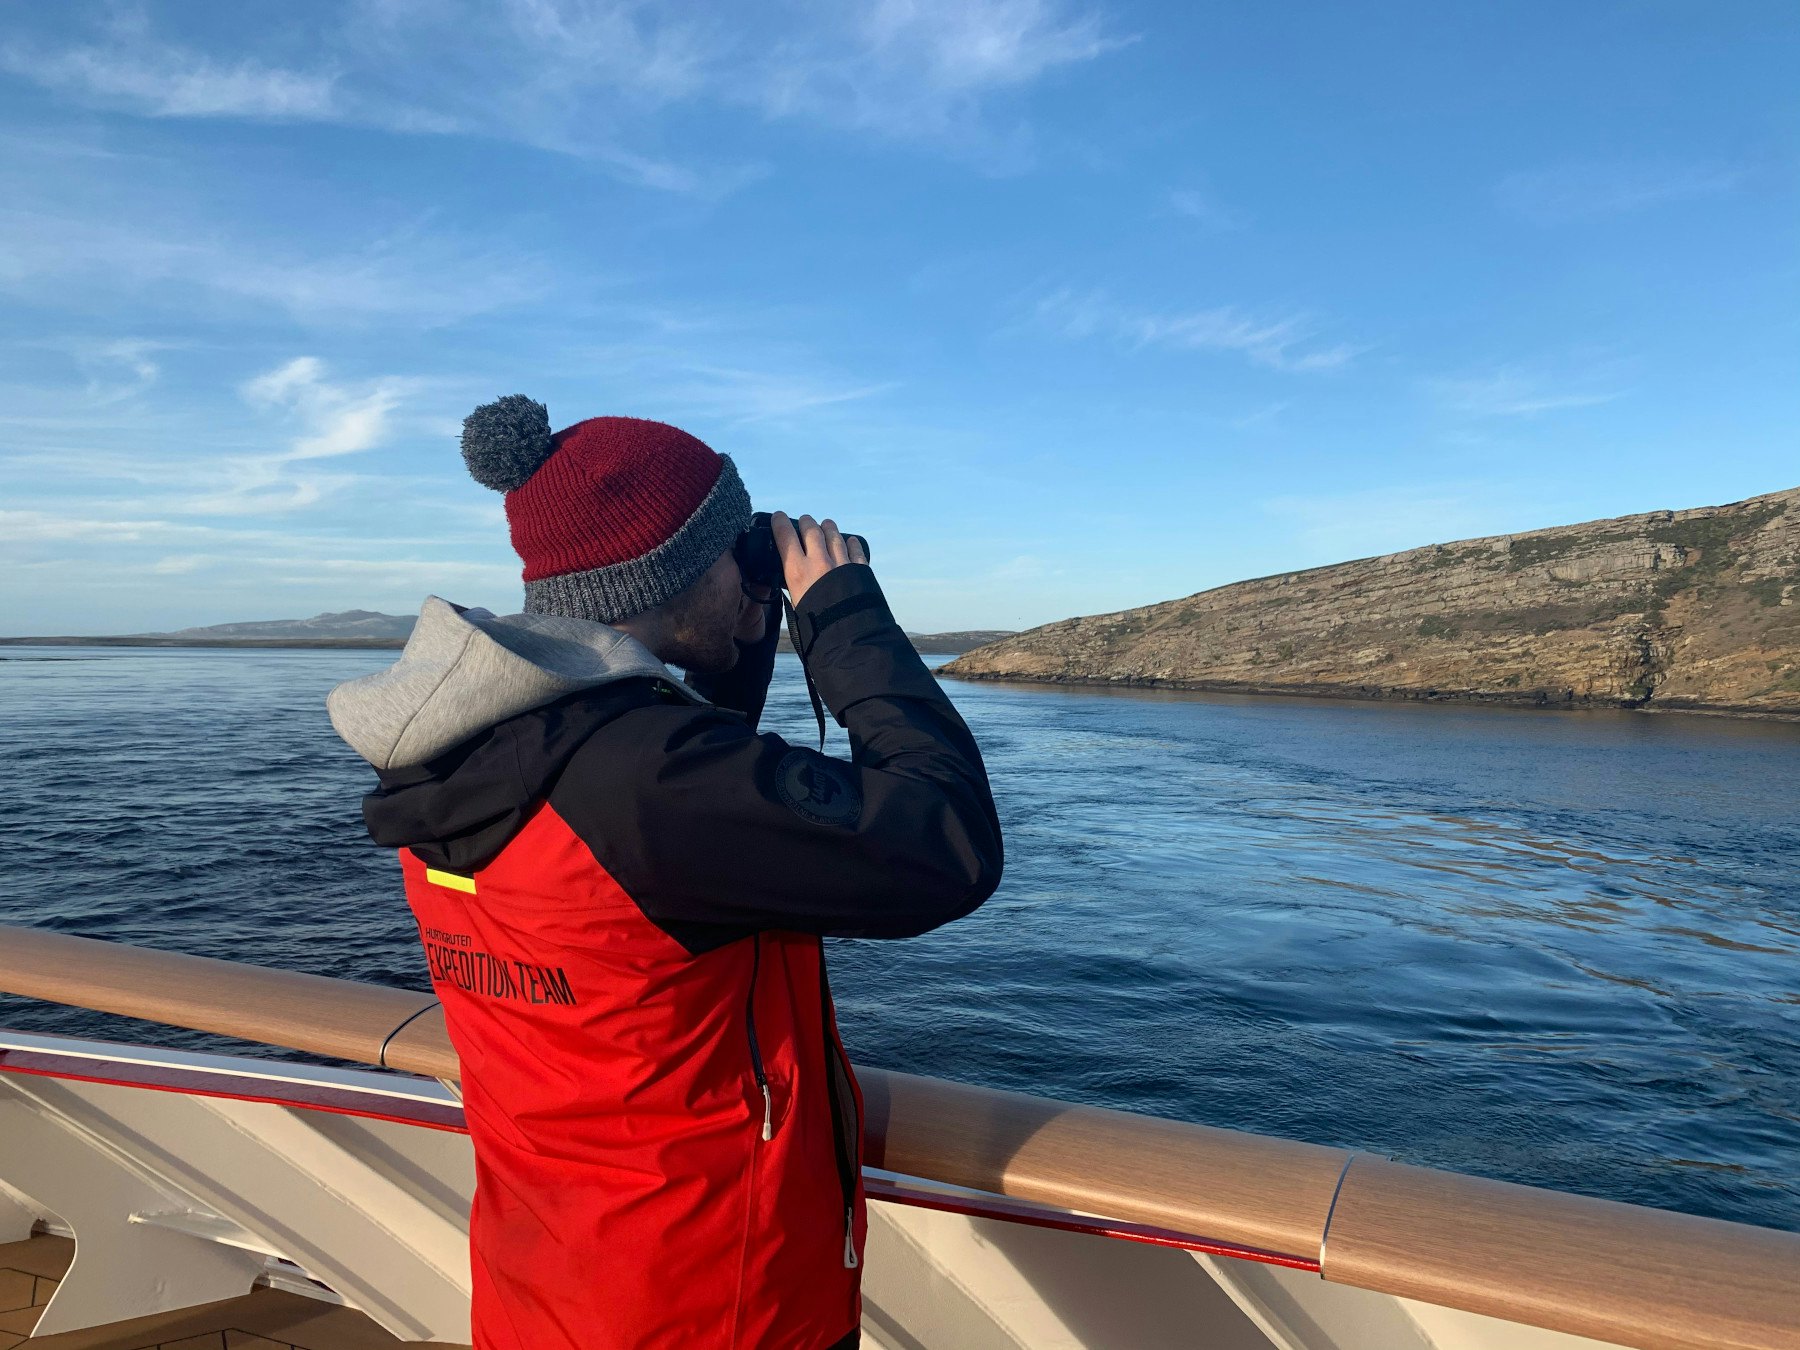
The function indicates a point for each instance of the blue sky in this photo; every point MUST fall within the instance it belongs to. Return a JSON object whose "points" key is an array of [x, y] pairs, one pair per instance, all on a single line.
{"points": [[1068, 306]]}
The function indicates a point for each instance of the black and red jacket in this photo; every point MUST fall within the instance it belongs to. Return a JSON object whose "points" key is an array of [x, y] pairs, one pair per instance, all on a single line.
{"points": [[621, 892]]}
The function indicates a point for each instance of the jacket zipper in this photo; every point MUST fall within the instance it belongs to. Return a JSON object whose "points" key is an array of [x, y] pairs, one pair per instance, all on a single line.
{"points": [[843, 1110], [756, 1059]]}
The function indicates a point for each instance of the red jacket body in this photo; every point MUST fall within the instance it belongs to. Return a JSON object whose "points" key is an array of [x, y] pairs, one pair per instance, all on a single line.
{"points": [[622, 895]]}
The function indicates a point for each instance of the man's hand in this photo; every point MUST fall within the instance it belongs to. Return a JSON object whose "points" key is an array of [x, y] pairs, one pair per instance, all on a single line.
{"points": [[809, 549]]}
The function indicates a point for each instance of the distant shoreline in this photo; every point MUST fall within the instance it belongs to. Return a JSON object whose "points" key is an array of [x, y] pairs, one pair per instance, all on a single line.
{"points": [[1379, 694], [928, 644], [364, 644]]}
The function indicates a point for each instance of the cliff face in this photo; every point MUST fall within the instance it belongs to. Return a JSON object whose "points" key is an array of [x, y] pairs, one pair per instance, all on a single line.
{"points": [[1695, 609]]}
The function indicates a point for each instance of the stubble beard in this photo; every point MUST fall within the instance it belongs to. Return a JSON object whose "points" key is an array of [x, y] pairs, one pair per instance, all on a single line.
{"points": [[702, 640]]}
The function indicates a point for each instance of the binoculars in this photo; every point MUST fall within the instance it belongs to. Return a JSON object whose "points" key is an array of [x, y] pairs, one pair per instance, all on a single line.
{"points": [[760, 561]]}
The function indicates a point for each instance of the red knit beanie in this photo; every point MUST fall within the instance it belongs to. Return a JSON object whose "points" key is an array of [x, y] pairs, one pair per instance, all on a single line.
{"points": [[612, 516]]}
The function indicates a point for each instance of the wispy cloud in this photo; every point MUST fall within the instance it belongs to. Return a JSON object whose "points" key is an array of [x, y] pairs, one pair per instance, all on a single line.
{"points": [[695, 368], [920, 69], [1513, 391], [1287, 342], [281, 454], [338, 419], [744, 396], [330, 418], [89, 523], [119, 370], [182, 564], [584, 77], [979, 44], [569, 73], [578, 77], [35, 527], [425, 276], [649, 53], [1582, 191], [141, 75], [557, 74]]}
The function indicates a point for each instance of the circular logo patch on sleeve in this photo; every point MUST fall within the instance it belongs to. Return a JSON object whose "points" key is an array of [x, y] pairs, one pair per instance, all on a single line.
{"points": [[818, 789]]}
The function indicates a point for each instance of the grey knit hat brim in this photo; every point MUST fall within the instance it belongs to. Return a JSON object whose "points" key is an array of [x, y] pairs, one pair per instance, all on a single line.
{"points": [[609, 594]]}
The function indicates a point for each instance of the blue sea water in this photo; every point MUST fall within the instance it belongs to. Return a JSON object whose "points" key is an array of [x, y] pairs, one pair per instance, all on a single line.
{"points": [[1556, 948]]}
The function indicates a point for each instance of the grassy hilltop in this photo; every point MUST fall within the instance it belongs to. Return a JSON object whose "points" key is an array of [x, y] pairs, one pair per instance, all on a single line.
{"points": [[1696, 609]]}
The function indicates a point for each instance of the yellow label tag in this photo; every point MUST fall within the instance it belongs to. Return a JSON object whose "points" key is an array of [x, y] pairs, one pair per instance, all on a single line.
{"points": [[450, 879]]}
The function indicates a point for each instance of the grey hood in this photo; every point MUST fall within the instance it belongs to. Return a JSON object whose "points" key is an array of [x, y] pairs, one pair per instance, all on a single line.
{"points": [[465, 670]]}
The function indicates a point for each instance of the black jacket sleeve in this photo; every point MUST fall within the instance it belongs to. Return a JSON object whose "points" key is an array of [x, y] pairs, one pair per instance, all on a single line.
{"points": [[717, 832]]}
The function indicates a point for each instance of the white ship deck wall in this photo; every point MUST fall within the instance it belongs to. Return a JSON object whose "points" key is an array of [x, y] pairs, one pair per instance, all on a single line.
{"points": [[187, 1179]]}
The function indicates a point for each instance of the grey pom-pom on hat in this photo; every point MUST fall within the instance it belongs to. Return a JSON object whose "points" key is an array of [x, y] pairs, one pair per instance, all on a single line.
{"points": [[506, 441]]}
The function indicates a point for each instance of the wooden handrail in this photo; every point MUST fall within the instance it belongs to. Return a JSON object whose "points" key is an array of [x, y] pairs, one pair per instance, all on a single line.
{"points": [[253, 1003], [1241, 1188], [1622, 1273]]}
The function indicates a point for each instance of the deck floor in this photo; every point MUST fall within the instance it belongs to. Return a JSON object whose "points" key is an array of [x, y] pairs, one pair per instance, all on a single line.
{"points": [[29, 1274], [264, 1319]]}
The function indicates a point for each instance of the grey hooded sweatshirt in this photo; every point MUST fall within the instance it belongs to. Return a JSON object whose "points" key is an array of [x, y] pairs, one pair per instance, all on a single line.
{"points": [[485, 719]]}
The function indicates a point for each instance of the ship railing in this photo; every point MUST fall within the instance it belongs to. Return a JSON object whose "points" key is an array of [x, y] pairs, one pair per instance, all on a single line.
{"points": [[1620, 1273]]}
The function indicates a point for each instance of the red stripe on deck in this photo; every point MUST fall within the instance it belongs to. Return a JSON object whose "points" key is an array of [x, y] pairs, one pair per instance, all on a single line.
{"points": [[1015, 1211], [233, 1087]]}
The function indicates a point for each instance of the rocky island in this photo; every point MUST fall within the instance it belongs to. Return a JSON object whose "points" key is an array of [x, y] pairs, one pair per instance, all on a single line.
{"points": [[1695, 610]]}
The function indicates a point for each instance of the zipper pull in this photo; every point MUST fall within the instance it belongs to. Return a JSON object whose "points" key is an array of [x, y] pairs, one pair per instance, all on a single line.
{"points": [[768, 1114], [850, 1239]]}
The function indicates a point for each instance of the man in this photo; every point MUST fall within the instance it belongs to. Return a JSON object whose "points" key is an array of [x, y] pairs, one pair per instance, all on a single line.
{"points": [[621, 889]]}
